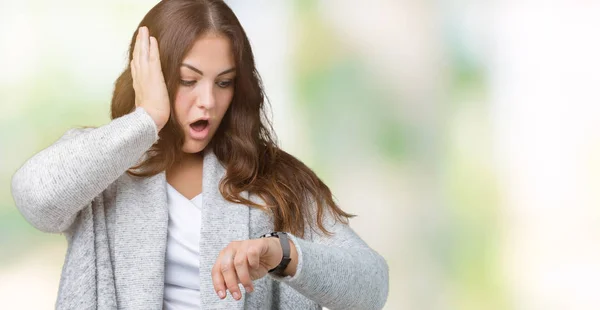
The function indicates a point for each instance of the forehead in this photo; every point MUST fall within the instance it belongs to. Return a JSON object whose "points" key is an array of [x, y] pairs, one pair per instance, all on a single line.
{"points": [[211, 52]]}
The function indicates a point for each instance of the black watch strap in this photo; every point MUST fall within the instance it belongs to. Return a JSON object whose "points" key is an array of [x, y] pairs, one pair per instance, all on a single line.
{"points": [[285, 246]]}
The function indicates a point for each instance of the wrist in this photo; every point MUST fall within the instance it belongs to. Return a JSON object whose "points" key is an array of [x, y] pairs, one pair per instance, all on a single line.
{"points": [[276, 246], [159, 120], [281, 253], [159, 126]]}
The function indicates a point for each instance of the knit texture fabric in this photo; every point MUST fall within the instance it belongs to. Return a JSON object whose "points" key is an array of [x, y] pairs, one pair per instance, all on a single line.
{"points": [[116, 228]]}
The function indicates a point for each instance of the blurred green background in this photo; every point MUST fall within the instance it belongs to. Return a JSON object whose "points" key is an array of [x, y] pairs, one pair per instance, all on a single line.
{"points": [[464, 134]]}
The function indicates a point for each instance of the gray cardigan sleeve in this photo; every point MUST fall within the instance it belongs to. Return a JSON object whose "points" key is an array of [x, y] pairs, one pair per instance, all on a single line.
{"points": [[339, 271], [51, 187]]}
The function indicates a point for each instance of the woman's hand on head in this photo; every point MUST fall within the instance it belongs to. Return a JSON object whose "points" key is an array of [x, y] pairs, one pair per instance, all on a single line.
{"points": [[243, 262], [148, 80]]}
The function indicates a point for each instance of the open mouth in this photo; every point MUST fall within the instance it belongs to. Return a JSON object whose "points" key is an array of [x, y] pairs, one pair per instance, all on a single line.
{"points": [[199, 125]]}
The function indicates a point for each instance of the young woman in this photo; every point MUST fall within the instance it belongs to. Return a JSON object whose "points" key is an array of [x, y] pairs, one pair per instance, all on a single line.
{"points": [[183, 200]]}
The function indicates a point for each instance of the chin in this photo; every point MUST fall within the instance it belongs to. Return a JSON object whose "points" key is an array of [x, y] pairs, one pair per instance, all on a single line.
{"points": [[193, 146]]}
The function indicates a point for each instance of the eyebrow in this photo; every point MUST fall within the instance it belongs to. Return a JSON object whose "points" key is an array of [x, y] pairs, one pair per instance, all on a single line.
{"points": [[202, 73]]}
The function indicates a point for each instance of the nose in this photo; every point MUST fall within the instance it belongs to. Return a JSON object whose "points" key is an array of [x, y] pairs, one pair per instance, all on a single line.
{"points": [[206, 97]]}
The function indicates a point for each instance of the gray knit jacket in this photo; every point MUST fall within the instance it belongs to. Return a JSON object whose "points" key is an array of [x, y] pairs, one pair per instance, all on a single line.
{"points": [[116, 228]]}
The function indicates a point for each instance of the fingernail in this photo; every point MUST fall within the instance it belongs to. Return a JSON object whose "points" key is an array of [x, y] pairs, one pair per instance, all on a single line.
{"points": [[249, 289], [236, 295], [221, 294]]}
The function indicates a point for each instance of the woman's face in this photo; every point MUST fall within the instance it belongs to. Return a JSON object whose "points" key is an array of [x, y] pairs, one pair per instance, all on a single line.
{"points": [[205, 90]]}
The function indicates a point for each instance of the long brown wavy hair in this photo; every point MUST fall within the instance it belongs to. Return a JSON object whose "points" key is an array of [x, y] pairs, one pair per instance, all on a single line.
{"points": [[244, 142]]}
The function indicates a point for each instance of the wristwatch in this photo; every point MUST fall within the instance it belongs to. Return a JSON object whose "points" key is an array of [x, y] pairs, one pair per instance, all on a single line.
{"points": [[285, 246]]}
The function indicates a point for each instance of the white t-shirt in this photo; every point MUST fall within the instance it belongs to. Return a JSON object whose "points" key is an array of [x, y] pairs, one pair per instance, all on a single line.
{"points": [[182, 273]]}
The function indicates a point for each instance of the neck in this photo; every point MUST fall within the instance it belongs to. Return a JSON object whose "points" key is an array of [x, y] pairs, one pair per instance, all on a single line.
{"points": [[186, 175], [188, 162], [191, 158]]}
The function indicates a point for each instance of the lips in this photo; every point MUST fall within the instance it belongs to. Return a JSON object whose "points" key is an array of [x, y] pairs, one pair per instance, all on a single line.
{"points": [[199, 129]]}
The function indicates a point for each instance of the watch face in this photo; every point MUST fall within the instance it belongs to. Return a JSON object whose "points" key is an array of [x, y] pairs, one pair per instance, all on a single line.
{"points": [[272, 234]]}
